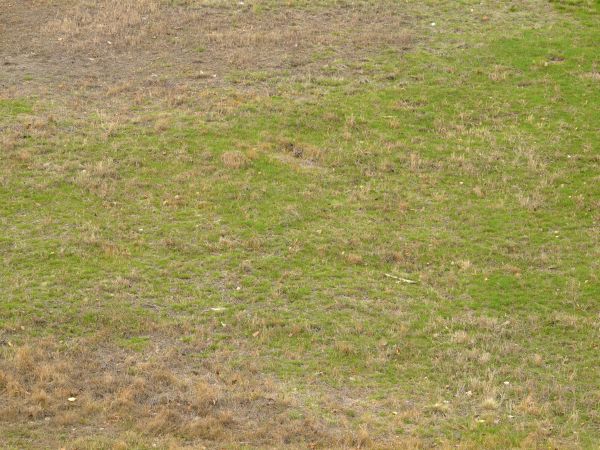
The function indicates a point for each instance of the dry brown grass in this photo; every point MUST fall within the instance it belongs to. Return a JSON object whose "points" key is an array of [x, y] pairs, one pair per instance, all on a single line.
{"points": [[160, 392], [98, 177], [120, 53], [595, 76], [235, 160], [90, 25], [354, 258]]}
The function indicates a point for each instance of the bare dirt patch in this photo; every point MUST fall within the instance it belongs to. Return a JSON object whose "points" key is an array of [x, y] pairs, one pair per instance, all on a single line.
{"points": [[101, 50]]}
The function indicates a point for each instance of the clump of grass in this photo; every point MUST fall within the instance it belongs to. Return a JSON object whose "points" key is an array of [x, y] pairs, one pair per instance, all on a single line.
{"points": [[489, 403], [354, 258], [235, 160]]}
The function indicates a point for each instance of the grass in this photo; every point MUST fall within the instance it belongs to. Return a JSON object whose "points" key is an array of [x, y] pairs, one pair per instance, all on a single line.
{"points": [[236, 227]]}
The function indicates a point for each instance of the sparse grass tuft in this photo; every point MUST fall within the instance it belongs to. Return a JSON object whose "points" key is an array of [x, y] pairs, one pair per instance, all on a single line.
{"points": [[235, 160]]}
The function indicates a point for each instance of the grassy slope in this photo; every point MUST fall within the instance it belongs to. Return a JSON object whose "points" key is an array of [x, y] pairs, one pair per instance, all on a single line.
{"points": [[469, 165]]}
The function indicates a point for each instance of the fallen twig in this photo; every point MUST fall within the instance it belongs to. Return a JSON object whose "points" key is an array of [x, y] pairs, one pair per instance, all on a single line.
{"points": [[403, 280]]}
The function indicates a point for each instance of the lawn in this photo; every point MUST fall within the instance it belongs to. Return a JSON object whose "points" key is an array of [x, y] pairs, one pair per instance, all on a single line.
{"points": [[299, 224]]}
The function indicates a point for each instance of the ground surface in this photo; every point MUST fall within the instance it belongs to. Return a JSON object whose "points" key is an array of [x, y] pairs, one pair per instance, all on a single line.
{"points": [[303, 224]]}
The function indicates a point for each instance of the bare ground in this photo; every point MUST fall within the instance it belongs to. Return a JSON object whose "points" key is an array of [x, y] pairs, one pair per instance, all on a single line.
{"points": [[124, 51]]}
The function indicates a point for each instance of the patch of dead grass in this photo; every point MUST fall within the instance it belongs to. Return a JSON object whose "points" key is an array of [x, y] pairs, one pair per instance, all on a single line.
{"points": [[355, 259], [106, 24], [235, 159], [124, 52], [160, 393]]}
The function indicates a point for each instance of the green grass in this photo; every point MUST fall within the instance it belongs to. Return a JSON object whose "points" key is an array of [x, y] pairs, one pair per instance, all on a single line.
{"points": [[472, 170]]}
